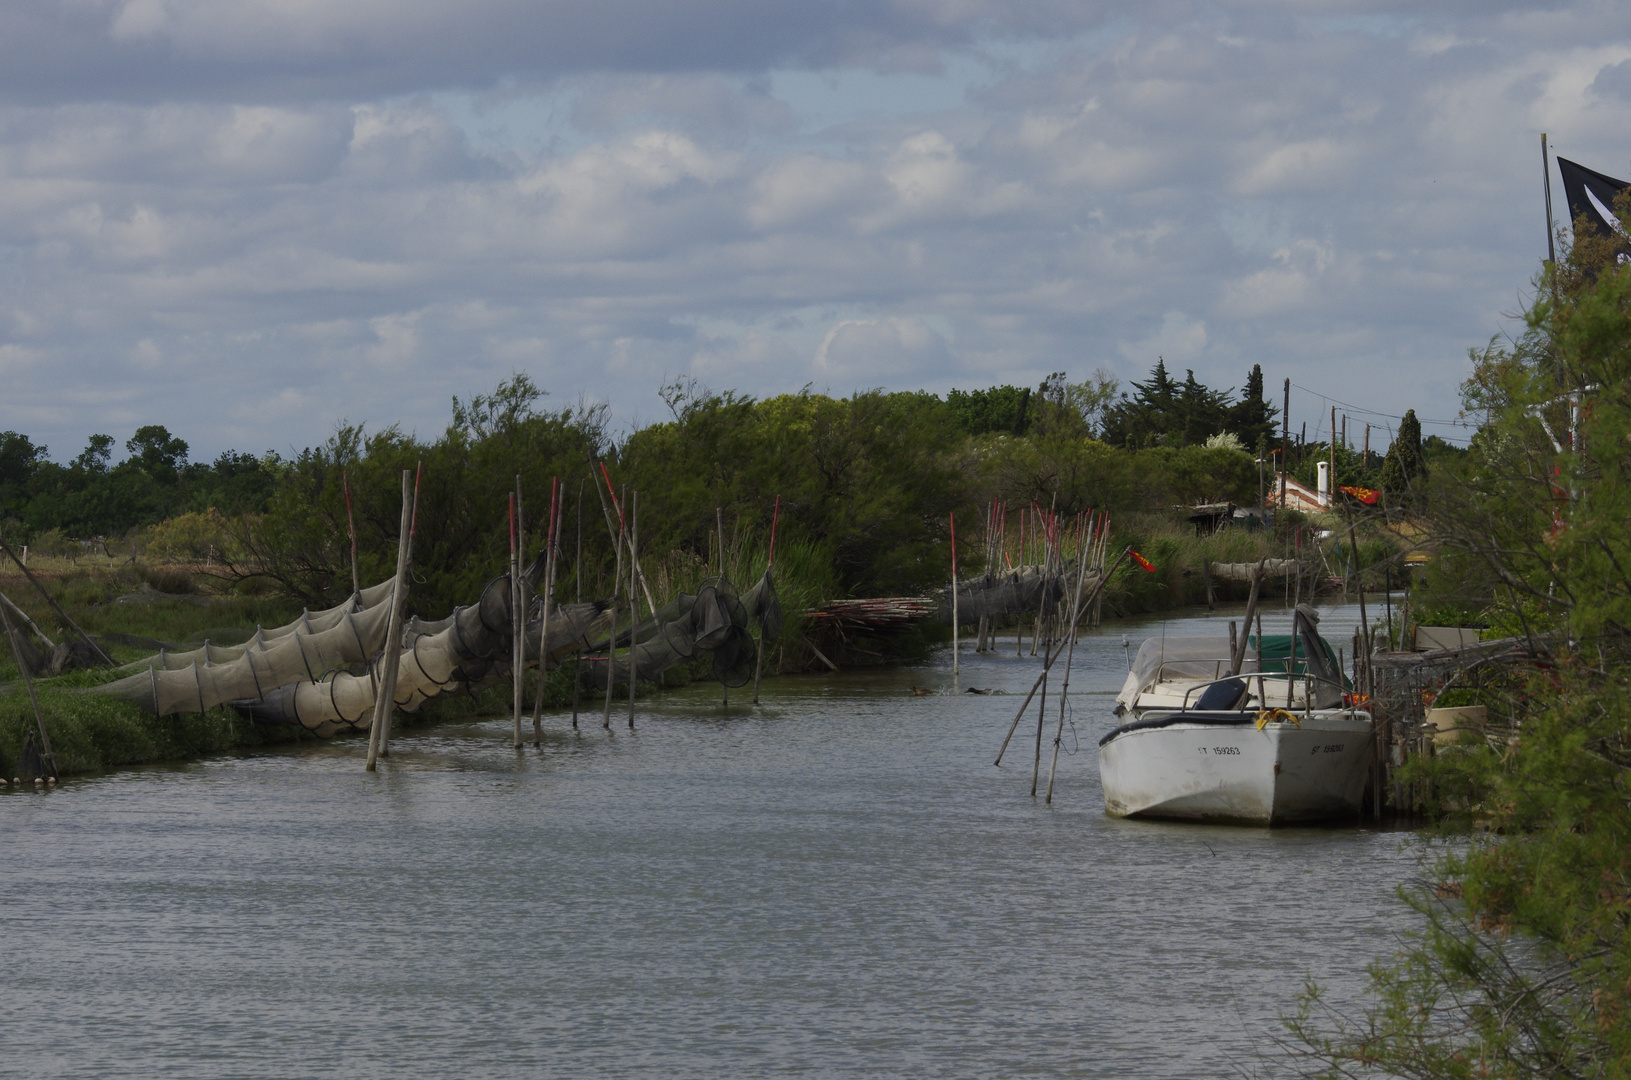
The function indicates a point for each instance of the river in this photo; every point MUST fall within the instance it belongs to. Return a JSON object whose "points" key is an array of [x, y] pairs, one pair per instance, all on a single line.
{"points": [[838, 883]]}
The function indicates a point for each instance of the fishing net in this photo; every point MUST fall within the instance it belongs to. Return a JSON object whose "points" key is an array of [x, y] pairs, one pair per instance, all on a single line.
{"points": [[437, 658], [1007, 593], [310, 622], [322, 670], [215, 674], [714, 620]]}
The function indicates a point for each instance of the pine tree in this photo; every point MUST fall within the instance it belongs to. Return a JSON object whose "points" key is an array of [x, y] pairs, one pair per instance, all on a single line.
{"points": [[1404, 463], [1252, 417]]}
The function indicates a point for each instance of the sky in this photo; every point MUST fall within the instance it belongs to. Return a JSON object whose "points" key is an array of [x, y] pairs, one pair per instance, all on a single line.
{"points": [[253, 220]]}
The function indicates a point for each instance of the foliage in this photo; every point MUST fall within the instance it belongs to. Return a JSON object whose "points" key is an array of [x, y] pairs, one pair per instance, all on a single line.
{"points": [[1404, 461], [93, 498], [1000, 409], [1165, 412], [1523, 964]]}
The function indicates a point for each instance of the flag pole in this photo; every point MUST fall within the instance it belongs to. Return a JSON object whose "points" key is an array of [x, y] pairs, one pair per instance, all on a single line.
{"points": [[1546, 180]]}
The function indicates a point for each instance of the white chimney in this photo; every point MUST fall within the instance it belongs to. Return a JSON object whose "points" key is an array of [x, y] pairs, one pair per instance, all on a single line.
{"points": [[1325, 482]]}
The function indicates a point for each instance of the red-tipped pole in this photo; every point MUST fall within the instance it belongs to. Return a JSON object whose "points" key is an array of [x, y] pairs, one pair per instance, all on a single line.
{"points": [[613, 493]]}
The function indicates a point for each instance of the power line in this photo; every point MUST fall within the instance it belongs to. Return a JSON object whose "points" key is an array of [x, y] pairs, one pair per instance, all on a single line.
{"points": [[1377, 412]]}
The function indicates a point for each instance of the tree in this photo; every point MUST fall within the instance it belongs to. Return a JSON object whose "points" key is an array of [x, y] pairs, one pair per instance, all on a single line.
{"points": [[1522, 967], [157, 453], [1073, 410], [94, 458], [1004, 409], [1252, 418], [1202, 413], [1404, 461], [1149, 416]]}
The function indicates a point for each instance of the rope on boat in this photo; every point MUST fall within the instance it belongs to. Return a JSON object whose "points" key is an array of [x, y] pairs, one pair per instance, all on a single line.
{"points": [[1264, 716]]}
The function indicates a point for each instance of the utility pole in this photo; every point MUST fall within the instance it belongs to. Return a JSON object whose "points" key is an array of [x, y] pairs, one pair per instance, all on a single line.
{"points": [[1285, 443]]}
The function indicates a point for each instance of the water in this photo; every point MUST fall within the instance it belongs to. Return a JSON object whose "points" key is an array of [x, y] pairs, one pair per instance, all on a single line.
{"points": [[837, 884]]}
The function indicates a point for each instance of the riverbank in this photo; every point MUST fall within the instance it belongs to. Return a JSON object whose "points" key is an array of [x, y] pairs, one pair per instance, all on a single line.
{"points": [[132, 609]]}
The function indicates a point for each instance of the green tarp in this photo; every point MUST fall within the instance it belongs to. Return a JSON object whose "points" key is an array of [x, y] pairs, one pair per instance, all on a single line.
{"points": [[1276, 650]]}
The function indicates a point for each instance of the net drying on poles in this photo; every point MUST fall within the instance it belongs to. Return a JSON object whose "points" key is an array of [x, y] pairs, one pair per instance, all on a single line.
{"points": [[303, 673], [715, 620]]}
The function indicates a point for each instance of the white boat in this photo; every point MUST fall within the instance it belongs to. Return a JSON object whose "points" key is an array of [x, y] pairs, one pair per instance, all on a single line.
{"points": [[1282, 741]]}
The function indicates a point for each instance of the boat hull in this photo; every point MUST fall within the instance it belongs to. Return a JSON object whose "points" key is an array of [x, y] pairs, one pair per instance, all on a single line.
{"points": [[1210, 772]]}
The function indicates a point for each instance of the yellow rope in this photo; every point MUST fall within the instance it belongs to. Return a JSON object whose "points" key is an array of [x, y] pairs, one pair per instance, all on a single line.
{"points": [[1265, 715]]}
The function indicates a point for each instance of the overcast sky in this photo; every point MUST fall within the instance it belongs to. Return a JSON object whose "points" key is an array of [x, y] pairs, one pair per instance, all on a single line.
{"points": [[249, 220]]}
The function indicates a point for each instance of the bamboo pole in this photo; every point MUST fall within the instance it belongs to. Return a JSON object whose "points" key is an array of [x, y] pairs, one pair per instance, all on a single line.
{"points": [[611, 644], [550, 546], [634, 596], [952, 518], [1064, 687], [383, 699], [517, 644], [33, 698], [28, 622], [577, 577], [407, 581], [1019, 620], [56, 607], [719, 519], [770, 563], [351, 522], [1237, 651], [1047, 662]]}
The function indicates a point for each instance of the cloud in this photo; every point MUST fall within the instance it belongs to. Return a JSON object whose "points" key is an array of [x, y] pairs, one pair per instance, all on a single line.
{"points": [[1179, 339], [857, 350], [274, 202], [54, 51]]}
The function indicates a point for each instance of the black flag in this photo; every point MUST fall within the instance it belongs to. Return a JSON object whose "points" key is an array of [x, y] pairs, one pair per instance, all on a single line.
{"points": [[1591, 195]]}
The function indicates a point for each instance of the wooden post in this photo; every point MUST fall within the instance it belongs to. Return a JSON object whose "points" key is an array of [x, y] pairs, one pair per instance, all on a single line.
{"points": [[1064, 687], [1237, 652], [384, 698], [1206, 571], [952, 518], [550, 547], [26, 621], [33, 698], [1332, 494], [634, 595], [1359, 580], [1285, 443], [1291, 660], [1047, 663], [1019, 619], [407, 583], [351, 521], [770, 563], [517, 625], [611, 644], [719, 520]]}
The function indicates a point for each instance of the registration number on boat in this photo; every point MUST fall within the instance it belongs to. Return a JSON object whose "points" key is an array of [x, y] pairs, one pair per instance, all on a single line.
{"points": [[1220, 749], [1328, 748]]}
